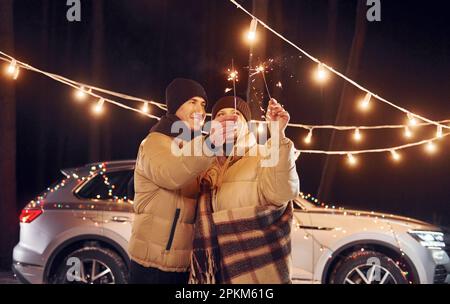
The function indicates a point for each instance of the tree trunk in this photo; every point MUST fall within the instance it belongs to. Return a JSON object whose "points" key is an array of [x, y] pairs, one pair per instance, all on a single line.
{"points": [[98, 140], [64, 118], [330, 92], [332, 26], [330, 168], [41, 147], [8, 209]]}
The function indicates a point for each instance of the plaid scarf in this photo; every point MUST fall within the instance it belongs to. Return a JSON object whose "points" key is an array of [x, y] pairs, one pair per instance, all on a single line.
{"points": [[244, 245], [205, 251]]}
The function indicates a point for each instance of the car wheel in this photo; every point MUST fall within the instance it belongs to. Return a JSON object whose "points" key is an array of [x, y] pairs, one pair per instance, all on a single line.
{"points": [[368, 267], [92, 265]]}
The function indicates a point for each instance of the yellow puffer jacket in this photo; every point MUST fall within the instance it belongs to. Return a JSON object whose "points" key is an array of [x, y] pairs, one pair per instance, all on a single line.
{"points": [[166, 187], [247, 183]]}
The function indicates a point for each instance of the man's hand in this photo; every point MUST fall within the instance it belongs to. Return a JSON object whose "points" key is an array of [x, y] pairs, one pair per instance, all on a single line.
{"points": [[277, 114]]}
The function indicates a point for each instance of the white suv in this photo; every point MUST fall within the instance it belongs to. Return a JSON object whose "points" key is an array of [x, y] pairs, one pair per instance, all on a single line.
{"points": [[84, 220], [355, 247]]}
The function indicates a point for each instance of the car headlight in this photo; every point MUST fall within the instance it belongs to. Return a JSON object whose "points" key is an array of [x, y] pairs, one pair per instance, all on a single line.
{"points": [[429, 239]]}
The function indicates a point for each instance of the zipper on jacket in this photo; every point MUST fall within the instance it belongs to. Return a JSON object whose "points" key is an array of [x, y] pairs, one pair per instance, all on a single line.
{"points": [[172, 230]]}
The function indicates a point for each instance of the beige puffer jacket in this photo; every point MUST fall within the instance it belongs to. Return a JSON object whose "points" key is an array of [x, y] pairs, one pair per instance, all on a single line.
{"points": [[166, 187], [247, 183]]}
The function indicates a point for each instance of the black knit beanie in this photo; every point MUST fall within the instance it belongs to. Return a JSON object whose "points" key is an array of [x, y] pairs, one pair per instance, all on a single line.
{"points": [[181, 90], [228, 102]]}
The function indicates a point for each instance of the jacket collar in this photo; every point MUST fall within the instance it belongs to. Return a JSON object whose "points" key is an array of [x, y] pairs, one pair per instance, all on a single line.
{"points": [[164, 126]]}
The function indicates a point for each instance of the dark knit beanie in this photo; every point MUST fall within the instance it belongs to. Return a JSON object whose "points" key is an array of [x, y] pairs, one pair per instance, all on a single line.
{"points": [[228, 102], [181, 90]]}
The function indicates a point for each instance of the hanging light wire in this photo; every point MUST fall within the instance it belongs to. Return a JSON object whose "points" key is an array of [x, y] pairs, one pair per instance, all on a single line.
{"points": [[91, 91], [88, 89], [354, 83]]}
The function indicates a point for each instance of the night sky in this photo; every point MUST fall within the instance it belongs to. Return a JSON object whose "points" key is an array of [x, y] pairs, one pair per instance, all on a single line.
{"points": [[145, 44]]}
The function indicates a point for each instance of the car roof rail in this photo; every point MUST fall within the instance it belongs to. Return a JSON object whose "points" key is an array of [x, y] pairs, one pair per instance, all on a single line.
{"points": [[113, 163]]}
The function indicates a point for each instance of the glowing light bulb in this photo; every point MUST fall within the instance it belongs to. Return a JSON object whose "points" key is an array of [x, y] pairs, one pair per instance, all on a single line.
{"points": [[408, 133], [351, 159], [13, 70], [357, 136], [431, 147], [395, 155], [98, 108], [308, 138], [251, 34], [412, 120], [80, 94], [145, 108], [16, 74], [365, 103], [321, 73]]}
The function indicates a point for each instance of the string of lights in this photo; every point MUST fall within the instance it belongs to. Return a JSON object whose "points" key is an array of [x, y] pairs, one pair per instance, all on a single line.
{"points": [[349, 128], [83, 90], [15, 64], [357, 136], [351, 155], [322, 75]]}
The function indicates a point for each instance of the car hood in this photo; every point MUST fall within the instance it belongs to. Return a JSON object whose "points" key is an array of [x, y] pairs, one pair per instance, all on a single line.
{"points": [[377, 215]]}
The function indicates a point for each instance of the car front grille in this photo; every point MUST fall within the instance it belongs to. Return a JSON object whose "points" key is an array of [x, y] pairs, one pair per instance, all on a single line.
{"points": [[440, 274], [447, 243]]}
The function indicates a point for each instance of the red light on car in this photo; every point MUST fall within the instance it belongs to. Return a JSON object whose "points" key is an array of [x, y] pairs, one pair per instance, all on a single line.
{"points": [[29, 215]]}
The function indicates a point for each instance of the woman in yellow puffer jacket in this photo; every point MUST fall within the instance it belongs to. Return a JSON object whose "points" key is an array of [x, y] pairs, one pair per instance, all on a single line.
{"points": [[244, 219]]}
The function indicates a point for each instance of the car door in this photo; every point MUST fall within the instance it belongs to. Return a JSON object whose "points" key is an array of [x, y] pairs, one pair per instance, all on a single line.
{"points": [[111, 190], [302, 247]]}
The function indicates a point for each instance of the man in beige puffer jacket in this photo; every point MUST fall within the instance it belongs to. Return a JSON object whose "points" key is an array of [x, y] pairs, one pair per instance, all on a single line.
{"points": [[166, 187]]}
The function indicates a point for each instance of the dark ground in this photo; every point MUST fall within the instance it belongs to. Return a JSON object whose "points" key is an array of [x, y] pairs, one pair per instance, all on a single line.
{"points": [[7, 278]]}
